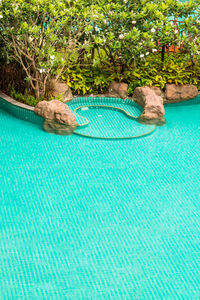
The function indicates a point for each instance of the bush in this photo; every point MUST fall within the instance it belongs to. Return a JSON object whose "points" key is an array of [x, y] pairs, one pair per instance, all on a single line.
{"points": [[27, 99], [177, 68], [42, 36], [88, 80], [90, 43]]}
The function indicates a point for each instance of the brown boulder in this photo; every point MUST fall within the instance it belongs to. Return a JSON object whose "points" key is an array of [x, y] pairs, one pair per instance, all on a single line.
{"points": [[55, 110], [52, 126], [153, 105], [118, 90], [58, 117], [60, 89], [158, 91], [177, 93]]}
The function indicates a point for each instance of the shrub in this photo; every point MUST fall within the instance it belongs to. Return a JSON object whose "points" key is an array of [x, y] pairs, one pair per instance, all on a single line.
{"points": [[129, 31], [88, 80], [191, 29], [30, 100], [89, 43], [42, 36], [177, 68]]}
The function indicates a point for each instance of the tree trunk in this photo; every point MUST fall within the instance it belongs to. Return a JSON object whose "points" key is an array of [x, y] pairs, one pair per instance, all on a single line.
{"points": [[37, 87], [163, 53]]}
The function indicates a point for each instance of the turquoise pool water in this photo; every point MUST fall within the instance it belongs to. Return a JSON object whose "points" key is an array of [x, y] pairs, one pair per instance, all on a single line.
{"points": [[110, 119], [98, 219]]}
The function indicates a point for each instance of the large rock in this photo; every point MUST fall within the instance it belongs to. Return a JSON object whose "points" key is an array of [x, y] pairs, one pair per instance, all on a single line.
{"points": [[158, 91], [55, 110], [118, 90], [60, 89], [153, 105], [177, 93], [152, 99], [52, 126], [58, 117]]}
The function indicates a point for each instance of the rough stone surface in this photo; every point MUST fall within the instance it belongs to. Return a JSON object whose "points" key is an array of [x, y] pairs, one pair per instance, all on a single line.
{"points": [[158, 91], [55, 110], [118, 90], [61, 89], [177, 93], [58, 117], [153, 105], [53, 126]]}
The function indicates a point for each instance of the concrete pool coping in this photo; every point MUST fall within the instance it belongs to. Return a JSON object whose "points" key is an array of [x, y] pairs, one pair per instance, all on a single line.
{"points": [[31, 108], [15, 102]]}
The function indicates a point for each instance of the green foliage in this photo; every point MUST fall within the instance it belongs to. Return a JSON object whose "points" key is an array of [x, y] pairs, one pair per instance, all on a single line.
{"points": [[27, 99], [190, 27], [90, 43], [88, 80], [177, 68], [130, 30], [42, 36]]}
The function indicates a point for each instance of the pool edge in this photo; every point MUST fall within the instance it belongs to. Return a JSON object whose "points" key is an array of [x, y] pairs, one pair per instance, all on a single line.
{"points": [[15, 102]]}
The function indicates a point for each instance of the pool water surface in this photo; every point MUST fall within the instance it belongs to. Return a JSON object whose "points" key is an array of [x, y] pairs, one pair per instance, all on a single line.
{"points": [[97, 219]]}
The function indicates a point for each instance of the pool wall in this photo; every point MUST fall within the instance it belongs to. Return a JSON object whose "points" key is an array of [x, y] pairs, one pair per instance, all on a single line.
{"points": [[19, 110], [25, 112]]}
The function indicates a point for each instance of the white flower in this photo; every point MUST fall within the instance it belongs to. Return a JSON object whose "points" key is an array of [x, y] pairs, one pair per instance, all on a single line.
{"points": [[42, 70], [1, 16], [147, 53], [141, 55], [133, 22], [121, 36], [154, 50], [52, 57], [153, 30], [176, 31]]}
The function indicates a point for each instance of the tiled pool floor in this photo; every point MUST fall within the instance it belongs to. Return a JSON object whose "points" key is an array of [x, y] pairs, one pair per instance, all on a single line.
{"points": [[95, 219]]}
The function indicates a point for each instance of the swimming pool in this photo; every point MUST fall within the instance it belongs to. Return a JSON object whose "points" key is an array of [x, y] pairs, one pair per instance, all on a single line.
{"points": [[97, 219]]}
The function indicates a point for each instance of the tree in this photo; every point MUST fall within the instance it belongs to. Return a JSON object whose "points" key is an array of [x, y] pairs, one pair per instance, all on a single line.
{"points": [[42, 36], [190, 27], [129, 31]]}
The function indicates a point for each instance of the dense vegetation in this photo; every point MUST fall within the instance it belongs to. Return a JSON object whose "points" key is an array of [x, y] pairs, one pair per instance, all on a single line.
{"points": [[90, 44]]}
